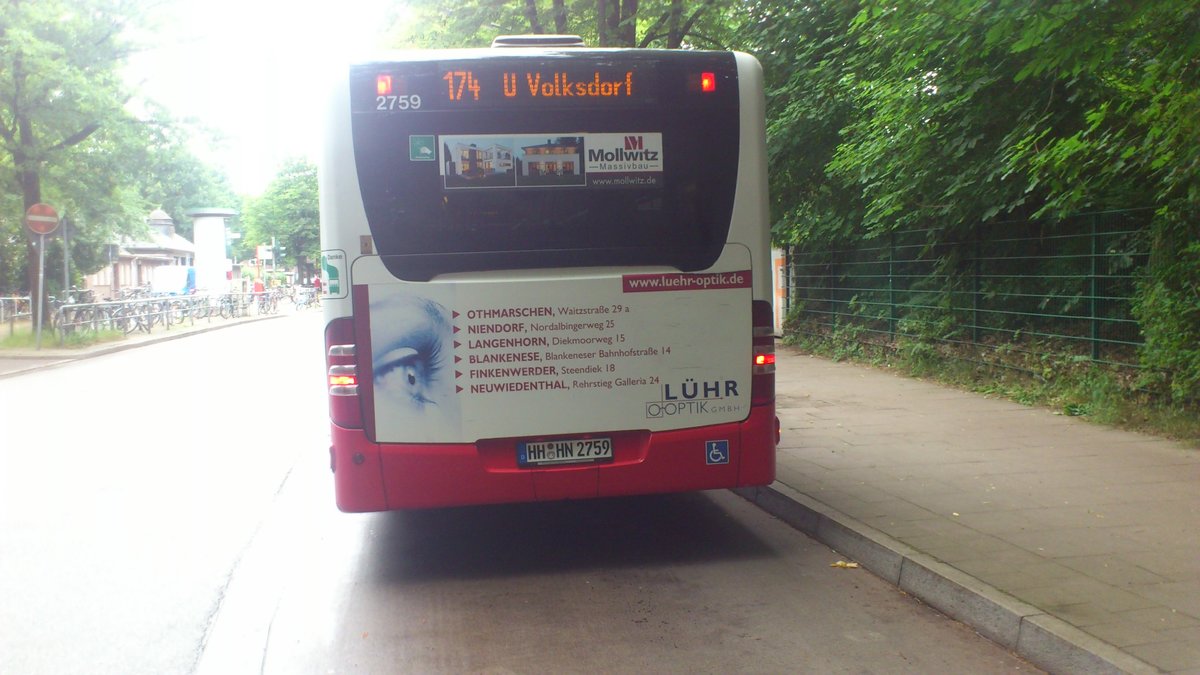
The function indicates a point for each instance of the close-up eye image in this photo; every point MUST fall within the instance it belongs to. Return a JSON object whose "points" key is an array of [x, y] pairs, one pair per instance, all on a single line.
{"points": [[409, 362], [410, 369]]}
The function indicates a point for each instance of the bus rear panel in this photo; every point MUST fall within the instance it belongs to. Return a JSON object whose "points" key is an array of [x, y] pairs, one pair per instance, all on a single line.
{"points": [[547, 276]]}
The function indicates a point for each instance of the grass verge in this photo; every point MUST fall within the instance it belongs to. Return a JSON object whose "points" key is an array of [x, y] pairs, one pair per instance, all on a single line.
{"points": [[23, 338], [1063, 383]]}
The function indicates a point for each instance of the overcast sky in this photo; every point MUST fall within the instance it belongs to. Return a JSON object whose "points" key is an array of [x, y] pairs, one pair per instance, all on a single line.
{"points": [[252, 70]]}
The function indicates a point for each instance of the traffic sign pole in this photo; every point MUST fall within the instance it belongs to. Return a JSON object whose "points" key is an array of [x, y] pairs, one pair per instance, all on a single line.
{"points": [[41, 219], [66, 258], [41, 287]]}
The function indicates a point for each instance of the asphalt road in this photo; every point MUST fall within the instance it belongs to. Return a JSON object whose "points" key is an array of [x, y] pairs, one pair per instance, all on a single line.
{"points": [[169, 509], [131, 483]]}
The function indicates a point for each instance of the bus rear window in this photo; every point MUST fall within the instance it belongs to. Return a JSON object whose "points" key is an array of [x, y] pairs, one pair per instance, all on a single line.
{"points": [[524, 163]]}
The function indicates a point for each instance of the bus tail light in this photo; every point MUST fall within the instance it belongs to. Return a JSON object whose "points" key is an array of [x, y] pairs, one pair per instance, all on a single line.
{"points": [[762, 381], [341, 362], [764, 359], [343, 380]]}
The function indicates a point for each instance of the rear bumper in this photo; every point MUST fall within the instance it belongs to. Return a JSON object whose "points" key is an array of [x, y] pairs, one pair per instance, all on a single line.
{"points": [[380, 477]]}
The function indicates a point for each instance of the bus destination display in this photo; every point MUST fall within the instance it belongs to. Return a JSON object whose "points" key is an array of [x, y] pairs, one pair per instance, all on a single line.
{"points": [[464, 85], [450, 86]]}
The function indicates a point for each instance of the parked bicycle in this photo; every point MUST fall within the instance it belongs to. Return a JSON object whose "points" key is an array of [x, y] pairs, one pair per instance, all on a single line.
{"points": [[202, 307], [267, 302], [230, 306], [304, 298]]}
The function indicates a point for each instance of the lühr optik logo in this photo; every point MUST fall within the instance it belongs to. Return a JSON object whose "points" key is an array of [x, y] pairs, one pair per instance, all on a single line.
{"points": [[691, 397], [690, 389]]}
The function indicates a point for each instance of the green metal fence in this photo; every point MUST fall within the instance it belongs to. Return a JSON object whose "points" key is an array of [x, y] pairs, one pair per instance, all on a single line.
{"points": [[1031, 287]]}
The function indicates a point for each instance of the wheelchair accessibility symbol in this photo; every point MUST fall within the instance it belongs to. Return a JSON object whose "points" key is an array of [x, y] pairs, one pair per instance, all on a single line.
{"points": [[716, 452]]}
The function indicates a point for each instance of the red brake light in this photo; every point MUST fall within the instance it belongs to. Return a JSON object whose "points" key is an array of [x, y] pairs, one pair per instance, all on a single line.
{"points": [[708, 82], [764, 359], [383, 85]]}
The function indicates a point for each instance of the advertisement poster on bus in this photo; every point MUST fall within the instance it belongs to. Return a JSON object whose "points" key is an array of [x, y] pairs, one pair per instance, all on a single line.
{"points": [[620, 160], [460, 361]]}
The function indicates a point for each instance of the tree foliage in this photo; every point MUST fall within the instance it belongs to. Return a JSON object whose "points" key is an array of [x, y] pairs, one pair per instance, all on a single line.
{"points": [[171, 177], [288, 211], [886, 115], [955, 115], [670, 24], [68, 138], [804, 48], [61, 105]]}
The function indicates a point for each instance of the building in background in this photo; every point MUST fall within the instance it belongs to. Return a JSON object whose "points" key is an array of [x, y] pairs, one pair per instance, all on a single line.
{"points": [[160, 262]]}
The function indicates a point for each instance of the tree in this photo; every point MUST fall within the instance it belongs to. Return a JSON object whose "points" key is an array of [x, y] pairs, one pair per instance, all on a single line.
{"points": [[980, 109], [288, 211], [805, 49], [69, 139], [951, 116], [604, 23], [172, 177], [60, 86]]}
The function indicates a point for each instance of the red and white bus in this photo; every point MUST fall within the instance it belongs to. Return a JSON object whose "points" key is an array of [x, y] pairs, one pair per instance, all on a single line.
{"points": [[547, 276]]}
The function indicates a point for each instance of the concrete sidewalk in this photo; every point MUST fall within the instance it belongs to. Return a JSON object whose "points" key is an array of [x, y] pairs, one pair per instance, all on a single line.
{"points": [[1076, 545]]}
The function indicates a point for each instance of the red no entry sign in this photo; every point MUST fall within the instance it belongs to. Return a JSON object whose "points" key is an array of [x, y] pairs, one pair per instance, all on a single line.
{"points": [[41, 219]]}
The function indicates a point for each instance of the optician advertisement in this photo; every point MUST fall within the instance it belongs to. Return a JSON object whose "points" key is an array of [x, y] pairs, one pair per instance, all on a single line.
{"points": [[460, 361]]}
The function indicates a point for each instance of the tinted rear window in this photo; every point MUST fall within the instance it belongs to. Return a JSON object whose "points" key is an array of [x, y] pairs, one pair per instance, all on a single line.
{"points": [[554, 160]]}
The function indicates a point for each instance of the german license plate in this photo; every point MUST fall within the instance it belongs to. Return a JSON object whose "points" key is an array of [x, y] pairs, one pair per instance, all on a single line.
{"points": [[564, 451]]}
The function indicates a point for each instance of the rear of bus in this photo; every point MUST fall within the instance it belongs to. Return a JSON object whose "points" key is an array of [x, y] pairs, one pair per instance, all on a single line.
{"points": [[547, 276]]}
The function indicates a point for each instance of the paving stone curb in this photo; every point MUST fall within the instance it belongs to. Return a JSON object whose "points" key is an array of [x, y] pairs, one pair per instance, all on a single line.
{"points": [[1048, 642]]}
